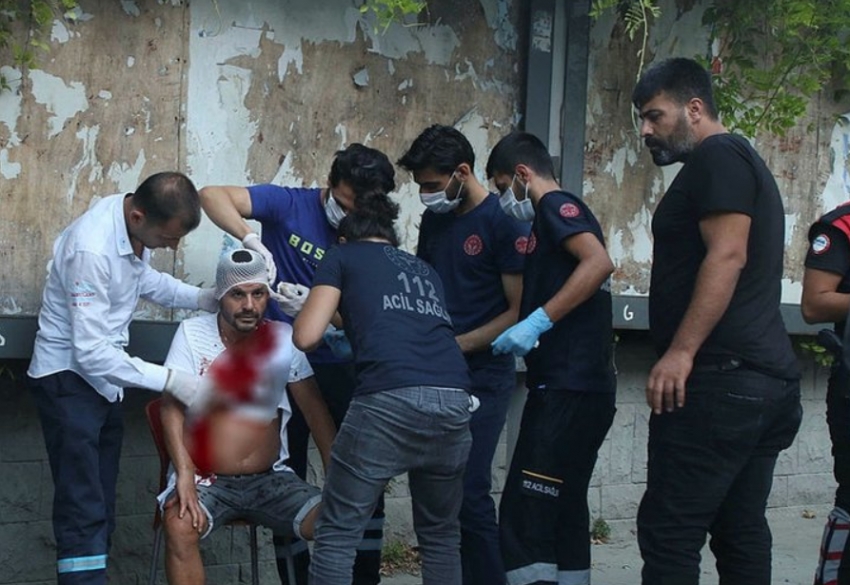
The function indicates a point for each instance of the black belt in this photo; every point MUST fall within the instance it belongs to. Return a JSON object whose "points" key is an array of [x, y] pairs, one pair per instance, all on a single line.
{"points": [[723, 365]]}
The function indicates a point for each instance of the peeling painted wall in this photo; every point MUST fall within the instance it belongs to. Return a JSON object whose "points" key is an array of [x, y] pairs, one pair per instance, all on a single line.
{"points": [[623, 186], [234, 93]]}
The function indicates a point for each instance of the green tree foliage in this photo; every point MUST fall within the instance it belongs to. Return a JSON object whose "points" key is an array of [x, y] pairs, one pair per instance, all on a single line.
{"points": [[34, 18], [388, 11], [771, 56]]}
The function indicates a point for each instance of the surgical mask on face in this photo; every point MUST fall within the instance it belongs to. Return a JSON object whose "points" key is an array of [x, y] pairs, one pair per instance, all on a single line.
{"points": [[333, 211], [439, 202], [522, 210]]}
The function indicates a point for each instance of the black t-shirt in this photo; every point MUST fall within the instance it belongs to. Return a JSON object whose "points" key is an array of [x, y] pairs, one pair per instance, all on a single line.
{"points": [[576, 353], [393, 307], [723, 174], [829, 249]]}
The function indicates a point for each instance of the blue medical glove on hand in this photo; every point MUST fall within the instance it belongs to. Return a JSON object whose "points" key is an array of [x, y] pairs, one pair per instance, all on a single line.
{"points": [[338, 342], [522, 337]]}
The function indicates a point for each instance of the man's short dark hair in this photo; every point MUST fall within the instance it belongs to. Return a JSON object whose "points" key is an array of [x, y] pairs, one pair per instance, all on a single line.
{"points": [[438, 147], [364, 169], [164, 196], [520, 148], [681, 79]]}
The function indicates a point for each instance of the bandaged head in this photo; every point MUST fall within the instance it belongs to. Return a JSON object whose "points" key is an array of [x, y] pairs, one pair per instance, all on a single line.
{"points": [[238, 267]]}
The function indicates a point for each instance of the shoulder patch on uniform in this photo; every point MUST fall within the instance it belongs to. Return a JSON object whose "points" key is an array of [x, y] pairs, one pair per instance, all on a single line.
{"points": [[521, 245], [569, 210], [473, 245], [821, 244]]}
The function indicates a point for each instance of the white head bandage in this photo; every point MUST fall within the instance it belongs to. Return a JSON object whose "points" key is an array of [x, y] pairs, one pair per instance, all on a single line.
{"points": [[237, 267]]}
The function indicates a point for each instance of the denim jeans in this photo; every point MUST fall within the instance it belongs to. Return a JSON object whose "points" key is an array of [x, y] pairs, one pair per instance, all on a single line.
{"points": [[336, 382], [421, 430], [710, 471]]}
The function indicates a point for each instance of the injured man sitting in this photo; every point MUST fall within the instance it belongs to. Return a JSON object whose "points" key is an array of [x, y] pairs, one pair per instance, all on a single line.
{"points": [[225, 422]]}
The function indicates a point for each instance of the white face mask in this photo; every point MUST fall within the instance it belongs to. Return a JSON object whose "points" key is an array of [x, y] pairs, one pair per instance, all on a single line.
{"points": [[439, 202], [333, 211], [522, 210]]}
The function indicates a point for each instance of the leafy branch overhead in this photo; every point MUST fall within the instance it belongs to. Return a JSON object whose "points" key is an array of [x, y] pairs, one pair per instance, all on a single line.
{"points": [[388, 11], [769, 58], [31, 21]]}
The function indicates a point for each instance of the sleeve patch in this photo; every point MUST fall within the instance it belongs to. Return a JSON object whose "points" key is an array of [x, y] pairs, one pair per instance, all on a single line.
{"points": [[821, 244], [521, 245], [569, 210]]}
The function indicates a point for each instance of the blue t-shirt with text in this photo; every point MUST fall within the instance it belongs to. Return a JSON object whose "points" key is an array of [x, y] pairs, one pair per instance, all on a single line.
{"points": [[297, 233]]}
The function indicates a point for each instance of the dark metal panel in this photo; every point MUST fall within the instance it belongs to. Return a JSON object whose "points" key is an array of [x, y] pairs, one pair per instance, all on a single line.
{"points": [[149, 340], [539, 81], [574, 109], [632, 312]]}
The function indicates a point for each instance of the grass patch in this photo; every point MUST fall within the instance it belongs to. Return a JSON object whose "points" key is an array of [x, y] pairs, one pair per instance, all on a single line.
{"points": [[399, 557]]}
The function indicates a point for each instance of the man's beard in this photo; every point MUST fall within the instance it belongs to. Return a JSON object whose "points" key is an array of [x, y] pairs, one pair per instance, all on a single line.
{"points": [[674, 149]]}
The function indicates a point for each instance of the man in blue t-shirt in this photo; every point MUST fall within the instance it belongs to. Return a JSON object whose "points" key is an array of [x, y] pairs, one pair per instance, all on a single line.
{"points": [[566, 335], [478, 251], [298, 226]]}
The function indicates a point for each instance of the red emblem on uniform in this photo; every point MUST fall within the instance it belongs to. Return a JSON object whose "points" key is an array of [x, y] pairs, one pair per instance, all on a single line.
{"points": [[473, 245], [569, 210], [532, 243], [521, 245]]}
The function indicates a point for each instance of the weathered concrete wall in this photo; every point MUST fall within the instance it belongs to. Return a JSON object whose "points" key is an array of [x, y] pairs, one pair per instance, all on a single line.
{"points": [[233, 93], [623, 186], [803, 478]]}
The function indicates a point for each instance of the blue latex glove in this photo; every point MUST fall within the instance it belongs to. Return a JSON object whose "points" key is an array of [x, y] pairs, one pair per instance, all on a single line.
{"points": [[522, 337], [339, 344]]}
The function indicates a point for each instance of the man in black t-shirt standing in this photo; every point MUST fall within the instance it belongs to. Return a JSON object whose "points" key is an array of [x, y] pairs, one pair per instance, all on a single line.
{"points": [[826, 298], [725, 393], [565, 334]]}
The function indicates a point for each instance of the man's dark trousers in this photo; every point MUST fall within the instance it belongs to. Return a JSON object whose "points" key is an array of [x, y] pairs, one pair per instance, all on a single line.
{"points": [[710, 471]]}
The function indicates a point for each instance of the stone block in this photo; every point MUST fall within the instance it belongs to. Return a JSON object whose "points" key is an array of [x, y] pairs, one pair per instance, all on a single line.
{"points": [[620, 501], [814, 449], [624, 441], [399, 522], [20, 491], [27, 552], [810, 489], [594, 502], [138, 484], [778, 493]]}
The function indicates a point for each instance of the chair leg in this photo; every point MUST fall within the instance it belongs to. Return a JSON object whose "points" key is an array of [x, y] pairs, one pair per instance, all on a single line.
{"points": [[157, 543], [290, 561], [255, 568]]}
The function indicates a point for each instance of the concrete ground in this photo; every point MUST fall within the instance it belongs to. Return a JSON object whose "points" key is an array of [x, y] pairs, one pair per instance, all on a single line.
{"points": [[796, 540]]}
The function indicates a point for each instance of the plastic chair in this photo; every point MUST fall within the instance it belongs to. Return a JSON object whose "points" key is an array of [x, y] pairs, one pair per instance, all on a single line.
{"points": [[152, 411]]}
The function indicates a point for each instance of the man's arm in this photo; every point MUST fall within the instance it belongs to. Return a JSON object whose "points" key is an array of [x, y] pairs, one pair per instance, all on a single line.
{"points": [[86, 280], [594, 267], [309, 399], [821, 302], [725, 236], [227, 207], [481, 337], [173, 417]]}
